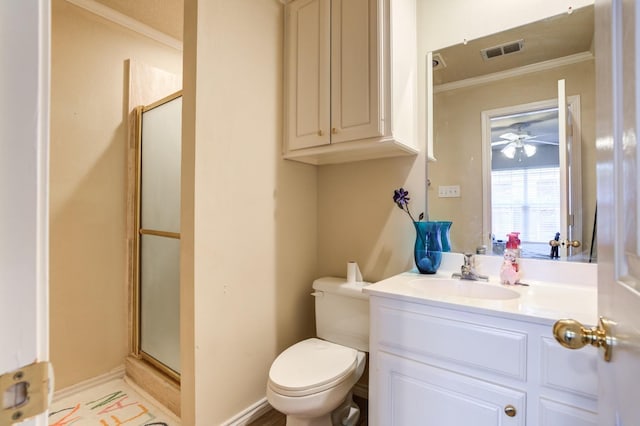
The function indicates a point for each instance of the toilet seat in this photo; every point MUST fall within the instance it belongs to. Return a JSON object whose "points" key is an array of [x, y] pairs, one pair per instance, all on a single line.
{"points": [[311, 366]]}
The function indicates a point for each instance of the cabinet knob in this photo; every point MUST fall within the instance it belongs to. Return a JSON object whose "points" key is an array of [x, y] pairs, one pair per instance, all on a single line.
{"points": [[334, 130], [510, 410], [319, 132]]}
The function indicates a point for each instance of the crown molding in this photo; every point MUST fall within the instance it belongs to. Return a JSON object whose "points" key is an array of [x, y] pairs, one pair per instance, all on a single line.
{"points": [[127, 22], [515, 72]]}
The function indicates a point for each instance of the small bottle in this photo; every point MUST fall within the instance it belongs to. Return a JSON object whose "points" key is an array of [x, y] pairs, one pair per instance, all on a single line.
{"points": [[513, 243]]}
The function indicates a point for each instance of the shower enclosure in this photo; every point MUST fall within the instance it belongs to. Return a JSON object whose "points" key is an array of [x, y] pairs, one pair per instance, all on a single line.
{"points": [[156, 295]]}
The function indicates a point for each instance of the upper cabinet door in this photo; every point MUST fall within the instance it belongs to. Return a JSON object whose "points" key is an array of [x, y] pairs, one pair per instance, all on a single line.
{"points": [[350, 76], [307, 73], [355, 71]]}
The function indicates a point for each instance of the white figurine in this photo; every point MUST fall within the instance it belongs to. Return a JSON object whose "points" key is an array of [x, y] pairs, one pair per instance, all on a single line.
{"points": [[509, 273]]}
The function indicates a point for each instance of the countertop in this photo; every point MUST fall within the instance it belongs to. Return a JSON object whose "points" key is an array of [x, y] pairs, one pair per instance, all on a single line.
{"points": [[549, 298]]}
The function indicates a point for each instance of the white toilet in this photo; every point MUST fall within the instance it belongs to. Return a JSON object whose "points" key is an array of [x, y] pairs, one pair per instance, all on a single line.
{"points": [[311, 382]]}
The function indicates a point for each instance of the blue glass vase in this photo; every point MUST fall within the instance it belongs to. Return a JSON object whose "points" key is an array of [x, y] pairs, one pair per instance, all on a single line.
{"points": [[427, 250], [445, 239]]}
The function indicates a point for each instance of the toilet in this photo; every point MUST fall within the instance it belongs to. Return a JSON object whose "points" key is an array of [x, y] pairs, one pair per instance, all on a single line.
{"points": [[312, 381]]}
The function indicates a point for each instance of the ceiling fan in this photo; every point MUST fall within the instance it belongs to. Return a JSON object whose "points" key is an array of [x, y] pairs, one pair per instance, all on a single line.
{"points": [[520, 142]]}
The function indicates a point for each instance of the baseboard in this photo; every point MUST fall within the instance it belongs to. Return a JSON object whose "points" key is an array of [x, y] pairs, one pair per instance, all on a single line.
{"points": [[116, 373], [249, 414]]}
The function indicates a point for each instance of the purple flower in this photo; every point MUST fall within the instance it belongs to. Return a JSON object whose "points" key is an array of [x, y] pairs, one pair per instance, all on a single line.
{"points": [[401, 198]]}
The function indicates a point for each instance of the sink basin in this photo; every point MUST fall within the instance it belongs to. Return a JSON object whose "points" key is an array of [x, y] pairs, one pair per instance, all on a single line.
{"points": [[444, 287]]}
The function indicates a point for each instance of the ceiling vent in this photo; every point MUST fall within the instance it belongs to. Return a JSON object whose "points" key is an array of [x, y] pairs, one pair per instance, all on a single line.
{"points": [[503, 49]]}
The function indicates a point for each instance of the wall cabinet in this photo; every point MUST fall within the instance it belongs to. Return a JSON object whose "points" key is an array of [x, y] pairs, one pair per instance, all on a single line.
{"points": [[350, 80], [436, 366]]}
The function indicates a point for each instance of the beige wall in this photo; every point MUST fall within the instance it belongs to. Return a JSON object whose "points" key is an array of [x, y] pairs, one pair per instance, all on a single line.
{"points": [[88, 188], [458, 144], [357, 219], [248, 217]]}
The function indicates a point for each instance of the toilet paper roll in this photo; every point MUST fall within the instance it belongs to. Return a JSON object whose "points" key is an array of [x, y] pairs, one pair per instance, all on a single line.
{"points": [[353, 273]]}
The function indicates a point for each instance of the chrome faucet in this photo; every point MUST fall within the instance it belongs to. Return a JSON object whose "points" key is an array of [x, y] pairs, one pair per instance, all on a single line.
{"points": [[468, 270]]}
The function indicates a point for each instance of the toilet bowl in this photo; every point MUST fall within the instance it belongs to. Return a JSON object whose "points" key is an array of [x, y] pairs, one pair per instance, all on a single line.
{"points": [[312, 379], [311, 382]]}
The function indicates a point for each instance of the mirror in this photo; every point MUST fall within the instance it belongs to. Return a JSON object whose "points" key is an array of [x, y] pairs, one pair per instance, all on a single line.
{"points": [[519, 66]]}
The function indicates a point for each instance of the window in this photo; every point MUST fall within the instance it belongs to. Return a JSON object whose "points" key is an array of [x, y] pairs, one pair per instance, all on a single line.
{"points": [[526, 200]]}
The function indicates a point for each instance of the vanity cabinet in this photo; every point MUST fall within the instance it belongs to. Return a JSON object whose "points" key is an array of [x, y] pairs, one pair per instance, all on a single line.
{"points": [[438, 366], [350, 80]]}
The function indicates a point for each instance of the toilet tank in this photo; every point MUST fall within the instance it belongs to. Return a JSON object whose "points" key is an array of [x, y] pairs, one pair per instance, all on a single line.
{"points": [[342, 312]]}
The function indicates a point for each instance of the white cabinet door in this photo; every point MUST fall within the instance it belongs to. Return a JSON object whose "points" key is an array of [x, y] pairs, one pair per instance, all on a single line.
{"points": [[555, 413], [355, 71], [569, 386], [412, 393], [307, 73]]}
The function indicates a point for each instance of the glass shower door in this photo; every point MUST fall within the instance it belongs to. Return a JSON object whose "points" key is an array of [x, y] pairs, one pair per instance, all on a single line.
{"points": [[159, 234]]}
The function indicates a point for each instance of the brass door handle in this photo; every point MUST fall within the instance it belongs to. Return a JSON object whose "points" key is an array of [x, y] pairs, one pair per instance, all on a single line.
{"points": [[573, 335], [568, 243]]}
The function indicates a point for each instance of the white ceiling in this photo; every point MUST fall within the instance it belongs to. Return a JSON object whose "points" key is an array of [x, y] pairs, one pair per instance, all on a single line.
{"points": [[166, 16]]}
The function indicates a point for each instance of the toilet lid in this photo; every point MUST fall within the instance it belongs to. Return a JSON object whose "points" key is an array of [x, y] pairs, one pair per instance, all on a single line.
{"points": [[310, 365]]}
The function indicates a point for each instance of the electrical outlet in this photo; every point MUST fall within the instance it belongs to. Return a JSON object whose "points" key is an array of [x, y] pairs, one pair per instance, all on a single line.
{"points": [[451, 191]]}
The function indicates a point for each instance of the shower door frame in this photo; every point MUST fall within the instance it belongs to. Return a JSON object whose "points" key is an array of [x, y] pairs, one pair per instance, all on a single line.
{"points": [[135, 269]]}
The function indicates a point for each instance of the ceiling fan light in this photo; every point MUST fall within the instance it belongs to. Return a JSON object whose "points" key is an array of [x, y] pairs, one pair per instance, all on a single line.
{"points": [[509, 151], [529, 150]]}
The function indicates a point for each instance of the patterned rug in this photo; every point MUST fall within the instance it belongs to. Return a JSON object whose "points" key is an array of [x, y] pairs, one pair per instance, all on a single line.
{"points": [[112, 404]]}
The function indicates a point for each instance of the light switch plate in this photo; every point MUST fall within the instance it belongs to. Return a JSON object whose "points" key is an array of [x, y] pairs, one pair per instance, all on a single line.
{"points": [[450, 191]]}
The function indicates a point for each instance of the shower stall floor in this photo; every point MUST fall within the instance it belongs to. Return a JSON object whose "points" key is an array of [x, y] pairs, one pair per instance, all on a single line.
{"points": [[113, 403]]}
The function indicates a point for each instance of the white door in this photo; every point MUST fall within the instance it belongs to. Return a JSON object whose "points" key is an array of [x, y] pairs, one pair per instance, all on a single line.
{"points": [[569, 219], [618, 124], [24, 135], [564, 170], [569, 154]]}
